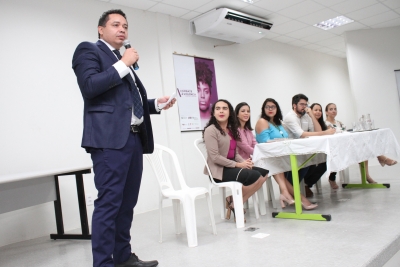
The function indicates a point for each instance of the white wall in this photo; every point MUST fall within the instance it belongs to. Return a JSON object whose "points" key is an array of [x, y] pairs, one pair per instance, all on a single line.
{"points": [[41, 106], [372, 57]]}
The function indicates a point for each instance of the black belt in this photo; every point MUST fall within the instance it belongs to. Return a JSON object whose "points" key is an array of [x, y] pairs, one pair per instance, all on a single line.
{"points": [[135, 129]]}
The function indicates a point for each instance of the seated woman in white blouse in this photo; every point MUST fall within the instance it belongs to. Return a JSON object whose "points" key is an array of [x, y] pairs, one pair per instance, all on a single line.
{"points": [[331, 112]]}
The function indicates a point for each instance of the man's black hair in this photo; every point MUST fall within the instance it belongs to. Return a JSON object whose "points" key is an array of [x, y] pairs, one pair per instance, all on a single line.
{"points": [[296, 99]]}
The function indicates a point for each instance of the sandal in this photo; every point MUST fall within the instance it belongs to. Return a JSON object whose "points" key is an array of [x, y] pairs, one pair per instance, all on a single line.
{"points": [[386, 161]]}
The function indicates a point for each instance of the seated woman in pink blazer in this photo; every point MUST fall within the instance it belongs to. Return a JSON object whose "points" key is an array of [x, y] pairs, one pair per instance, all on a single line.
{"points": [[221, 136]]}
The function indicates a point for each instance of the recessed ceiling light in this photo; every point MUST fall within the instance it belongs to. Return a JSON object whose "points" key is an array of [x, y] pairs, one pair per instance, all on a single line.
{"points": [[332, 23], [248, 1]]}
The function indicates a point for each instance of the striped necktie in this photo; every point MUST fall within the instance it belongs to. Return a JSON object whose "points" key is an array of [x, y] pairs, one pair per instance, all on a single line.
{"points": [[137, 103]]}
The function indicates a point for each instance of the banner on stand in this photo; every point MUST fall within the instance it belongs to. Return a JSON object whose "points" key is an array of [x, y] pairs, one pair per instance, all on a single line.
{"points": [[197, 91]]}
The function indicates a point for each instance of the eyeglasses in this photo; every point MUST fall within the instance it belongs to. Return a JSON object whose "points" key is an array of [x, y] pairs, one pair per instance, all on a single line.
{"points": [[270, 107], [303, 104]]}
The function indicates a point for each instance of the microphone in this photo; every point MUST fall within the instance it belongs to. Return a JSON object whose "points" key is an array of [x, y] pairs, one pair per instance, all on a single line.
{"points": [[127, 45]]}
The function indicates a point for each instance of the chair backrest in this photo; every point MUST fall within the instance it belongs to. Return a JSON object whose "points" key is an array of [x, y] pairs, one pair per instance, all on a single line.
{"points": [[157, 163], [201, 147]]}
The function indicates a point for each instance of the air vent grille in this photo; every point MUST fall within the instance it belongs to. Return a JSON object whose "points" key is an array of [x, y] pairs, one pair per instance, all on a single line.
{"points": [[248, 21]]}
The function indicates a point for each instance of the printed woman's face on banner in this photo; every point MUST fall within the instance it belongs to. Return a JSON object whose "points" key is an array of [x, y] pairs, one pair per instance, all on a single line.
{"points": [[204, 94]]}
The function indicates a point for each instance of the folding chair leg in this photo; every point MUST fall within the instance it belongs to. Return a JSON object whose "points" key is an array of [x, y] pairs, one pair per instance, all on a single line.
{"points": [[222, 192], [238, 203], [256, 203], [271, 194], [177, 216], [190, 221], [261, 201], [211, 211], [318, 186]]}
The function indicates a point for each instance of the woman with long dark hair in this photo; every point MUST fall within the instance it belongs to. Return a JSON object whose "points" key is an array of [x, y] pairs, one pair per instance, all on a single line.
{"points": [[269, 127], [221, 136], [247, 140], [315, 172]]}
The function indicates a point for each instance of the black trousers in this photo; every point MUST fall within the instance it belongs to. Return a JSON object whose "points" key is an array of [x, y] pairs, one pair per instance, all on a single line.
{"points": [[314, 174]]}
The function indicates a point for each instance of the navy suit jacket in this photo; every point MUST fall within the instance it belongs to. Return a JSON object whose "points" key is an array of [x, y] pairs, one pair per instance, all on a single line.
{"points": [[108, 99]]}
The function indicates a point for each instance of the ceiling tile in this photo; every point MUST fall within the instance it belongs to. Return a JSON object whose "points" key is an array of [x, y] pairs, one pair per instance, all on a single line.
{"points": [[338, 46], [334, 40], [322, 35], [390, 23], [391, 3], [277, 19], [190, 5], [190, 15], [235, 5], [255, 11], [312, 46], [283, 39], [352, 5], [348, 27], [324, 49], [271, 35], [337, 54], [307, 31], [301, 9], [169, 10], [298, 43], [329, 2], [383, 17], [139, 4], [289, 26], [276, 5], [319, 16], [367, 12]]}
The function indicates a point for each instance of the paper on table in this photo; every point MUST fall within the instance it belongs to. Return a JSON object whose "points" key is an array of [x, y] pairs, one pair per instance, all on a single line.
{"points": [[162, 105]]}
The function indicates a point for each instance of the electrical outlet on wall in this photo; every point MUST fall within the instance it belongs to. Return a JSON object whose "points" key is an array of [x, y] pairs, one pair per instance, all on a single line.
{"points": [[89, 199]]}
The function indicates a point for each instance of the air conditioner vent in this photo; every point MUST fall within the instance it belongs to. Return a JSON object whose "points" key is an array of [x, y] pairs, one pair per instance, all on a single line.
{"points": [[230, 25]]}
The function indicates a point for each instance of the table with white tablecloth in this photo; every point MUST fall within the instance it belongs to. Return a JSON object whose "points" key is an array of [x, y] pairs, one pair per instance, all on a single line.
{"points": [[338, 151]]}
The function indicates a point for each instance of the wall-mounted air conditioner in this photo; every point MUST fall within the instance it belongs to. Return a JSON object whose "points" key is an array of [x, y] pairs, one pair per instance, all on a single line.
{"points": [[230, 25]]}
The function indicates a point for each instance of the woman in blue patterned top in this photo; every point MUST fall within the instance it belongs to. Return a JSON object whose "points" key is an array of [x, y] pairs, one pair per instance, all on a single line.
{"points": [[269, 127]]}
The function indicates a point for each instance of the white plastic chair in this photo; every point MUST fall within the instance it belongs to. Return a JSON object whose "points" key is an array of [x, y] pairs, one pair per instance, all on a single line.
{"points": [[186, 195], [235, 187]]}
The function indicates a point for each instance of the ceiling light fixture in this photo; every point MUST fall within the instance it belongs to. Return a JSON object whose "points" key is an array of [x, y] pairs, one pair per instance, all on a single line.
{"points": [[248, 1], [332, 23]]}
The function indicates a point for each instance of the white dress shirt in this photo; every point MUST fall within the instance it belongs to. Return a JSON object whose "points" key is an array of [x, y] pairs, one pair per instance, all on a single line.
{"points": [[296, 125], [123, 70]]}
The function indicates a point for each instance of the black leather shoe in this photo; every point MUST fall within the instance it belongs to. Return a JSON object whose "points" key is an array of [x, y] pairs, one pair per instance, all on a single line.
{"points": [[134, 261]]}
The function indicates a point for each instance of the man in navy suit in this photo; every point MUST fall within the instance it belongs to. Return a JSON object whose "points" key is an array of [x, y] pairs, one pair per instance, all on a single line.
{"points": [[117, 131]]}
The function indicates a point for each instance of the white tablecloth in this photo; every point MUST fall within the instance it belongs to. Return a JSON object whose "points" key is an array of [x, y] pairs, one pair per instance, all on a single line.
{"points": [[339, 150]]}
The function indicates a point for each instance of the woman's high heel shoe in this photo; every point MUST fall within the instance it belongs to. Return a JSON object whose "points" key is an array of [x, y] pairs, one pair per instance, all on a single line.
{"points": [[370, 180], [284, 199], [309, 207], [386, 161], [333, 184]]}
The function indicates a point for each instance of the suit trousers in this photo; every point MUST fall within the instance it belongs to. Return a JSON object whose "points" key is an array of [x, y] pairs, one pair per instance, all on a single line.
{"points": [[302, 173], [314, 174], [118, 173]]}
